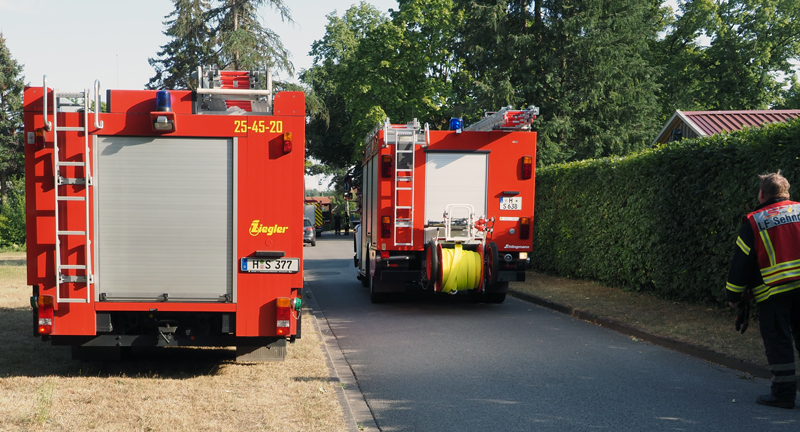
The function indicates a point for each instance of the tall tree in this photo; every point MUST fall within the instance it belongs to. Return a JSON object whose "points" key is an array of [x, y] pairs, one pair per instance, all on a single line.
{"points": [[729, 54], [190, 46], [598, 91], [330, 136], [243, 42], [227, 34], [12, 162]]}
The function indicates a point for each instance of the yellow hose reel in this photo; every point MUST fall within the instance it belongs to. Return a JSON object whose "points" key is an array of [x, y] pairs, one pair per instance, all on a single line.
{"points": [[457, 269]]}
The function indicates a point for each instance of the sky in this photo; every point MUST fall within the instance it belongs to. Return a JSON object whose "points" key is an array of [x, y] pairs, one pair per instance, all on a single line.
{"points": [[76, 42]]}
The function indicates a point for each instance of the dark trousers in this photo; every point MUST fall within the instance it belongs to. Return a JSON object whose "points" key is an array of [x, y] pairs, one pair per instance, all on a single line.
{"points": [[779, 320]]}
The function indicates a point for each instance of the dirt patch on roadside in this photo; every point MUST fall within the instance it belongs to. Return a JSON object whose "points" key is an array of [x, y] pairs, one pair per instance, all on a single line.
{"points": [[706, 327]]}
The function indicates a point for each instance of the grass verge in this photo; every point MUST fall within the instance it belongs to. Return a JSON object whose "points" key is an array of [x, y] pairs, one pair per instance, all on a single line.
{"points": [[42, 388]]}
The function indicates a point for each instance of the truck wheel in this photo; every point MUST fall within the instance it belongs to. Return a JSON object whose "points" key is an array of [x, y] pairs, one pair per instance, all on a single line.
{"points": [[364, 278], [495, 297], [313, 242], [373, 296], [490, 258]]}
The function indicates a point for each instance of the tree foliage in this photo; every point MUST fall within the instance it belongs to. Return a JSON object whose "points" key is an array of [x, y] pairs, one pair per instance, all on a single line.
{"points": [[11, 143], [220, 33]]}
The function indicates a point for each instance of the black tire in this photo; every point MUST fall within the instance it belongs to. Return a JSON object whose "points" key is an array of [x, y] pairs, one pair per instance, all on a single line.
{"points": [[433, 262], [313, 242], [495, 297], [490, 266], [373, 296]]}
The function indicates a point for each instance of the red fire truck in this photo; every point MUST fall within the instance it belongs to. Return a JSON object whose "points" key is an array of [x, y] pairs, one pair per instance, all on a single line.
{"points": [[448, 211], [165, 219]]}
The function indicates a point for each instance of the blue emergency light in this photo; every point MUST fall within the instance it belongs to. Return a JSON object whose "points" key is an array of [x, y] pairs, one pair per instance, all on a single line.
{"points": [[456, 124], [163, 101]]}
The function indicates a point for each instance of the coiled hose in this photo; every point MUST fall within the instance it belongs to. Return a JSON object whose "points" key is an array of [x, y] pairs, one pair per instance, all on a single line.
{"points": [[461, 269]]}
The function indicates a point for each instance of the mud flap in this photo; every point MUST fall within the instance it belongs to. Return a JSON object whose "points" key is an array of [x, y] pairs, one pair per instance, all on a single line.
{"points": [[275, 351]]}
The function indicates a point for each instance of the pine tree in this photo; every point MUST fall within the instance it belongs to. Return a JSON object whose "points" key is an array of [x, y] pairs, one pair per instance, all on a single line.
{"points": [[12, 158], [243, 43], [190, 46]]}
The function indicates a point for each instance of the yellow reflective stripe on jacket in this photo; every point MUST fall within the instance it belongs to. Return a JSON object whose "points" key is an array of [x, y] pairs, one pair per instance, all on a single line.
{"points": [[734, 288], [768, 247], [764, 292], [783, 271], [743, 246]]}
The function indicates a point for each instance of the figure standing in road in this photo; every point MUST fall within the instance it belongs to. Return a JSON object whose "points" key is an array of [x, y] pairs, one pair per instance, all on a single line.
{"points": [[337, 224], [767, 261]]}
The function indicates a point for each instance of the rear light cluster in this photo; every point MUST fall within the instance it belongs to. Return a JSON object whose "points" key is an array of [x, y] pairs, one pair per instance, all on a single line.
{"points": [[283, 314], [46, 310], [527, 167], [386, 165], [287, 143], [386, 226], [524, 228]]}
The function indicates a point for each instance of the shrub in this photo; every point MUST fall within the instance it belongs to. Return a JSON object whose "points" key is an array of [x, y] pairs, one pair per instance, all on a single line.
{"points": [[12, 215], [664, 220]]}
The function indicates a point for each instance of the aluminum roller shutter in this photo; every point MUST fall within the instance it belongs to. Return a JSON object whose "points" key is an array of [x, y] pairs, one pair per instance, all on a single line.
{"points": [[454, 178], [164, 218]]}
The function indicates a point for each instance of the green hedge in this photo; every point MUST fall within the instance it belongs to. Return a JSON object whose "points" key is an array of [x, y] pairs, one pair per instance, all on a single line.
{"points": [[663, 221]]}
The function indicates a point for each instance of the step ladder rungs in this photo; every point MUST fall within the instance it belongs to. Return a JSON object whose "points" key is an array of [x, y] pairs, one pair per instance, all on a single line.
{"points": [[399, 224], [404, 188], [70, 163], [71, 181], [405, 179], [71, 278], [73, 267], [73, 300], [73, 95], [70, 129], [71, 198], [404, 244], [403, 207], [82, 233]]}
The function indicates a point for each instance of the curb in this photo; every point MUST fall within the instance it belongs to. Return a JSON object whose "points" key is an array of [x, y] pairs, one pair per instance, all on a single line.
{"points": [[675, 345], [357, 414]]}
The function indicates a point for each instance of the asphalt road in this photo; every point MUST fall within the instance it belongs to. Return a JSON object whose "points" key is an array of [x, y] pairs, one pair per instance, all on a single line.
{"points": [[446, 365]]}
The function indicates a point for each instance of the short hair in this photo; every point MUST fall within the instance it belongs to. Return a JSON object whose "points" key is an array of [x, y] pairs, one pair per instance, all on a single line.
{"points": [[774, 185]]}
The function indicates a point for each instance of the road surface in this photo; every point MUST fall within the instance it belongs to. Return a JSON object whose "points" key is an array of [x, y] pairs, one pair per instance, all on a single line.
{"points": [[447, 365]]}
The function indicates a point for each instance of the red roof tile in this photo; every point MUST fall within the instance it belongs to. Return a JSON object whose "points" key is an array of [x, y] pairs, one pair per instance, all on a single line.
{"points": [[712, 122]]}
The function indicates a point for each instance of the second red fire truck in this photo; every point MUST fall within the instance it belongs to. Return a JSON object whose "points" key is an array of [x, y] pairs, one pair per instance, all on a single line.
{"points": [[448, 211]]}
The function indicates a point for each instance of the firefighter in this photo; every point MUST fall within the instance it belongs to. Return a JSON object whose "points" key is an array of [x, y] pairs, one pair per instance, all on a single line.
{"points": [[337, 223], [767, 260]]}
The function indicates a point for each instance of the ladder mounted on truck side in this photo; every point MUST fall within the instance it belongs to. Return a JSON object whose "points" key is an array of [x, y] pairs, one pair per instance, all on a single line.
{"points": [[72, 229], [506, 119], [405, 139]]}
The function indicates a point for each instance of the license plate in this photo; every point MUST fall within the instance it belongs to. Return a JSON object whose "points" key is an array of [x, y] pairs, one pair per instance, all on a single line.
{"points": [[271, 265], [510, 203]]}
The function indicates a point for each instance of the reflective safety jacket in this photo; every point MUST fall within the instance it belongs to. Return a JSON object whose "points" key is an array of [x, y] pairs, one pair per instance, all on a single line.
{"points": [[770, 243]]}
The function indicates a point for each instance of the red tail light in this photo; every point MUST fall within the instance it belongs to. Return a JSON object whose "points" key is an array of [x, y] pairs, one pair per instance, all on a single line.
{"points": [[386, 165], [524, 228], [283, 315], [46, 304], [386, 229], [287, 143], [527, 167]]}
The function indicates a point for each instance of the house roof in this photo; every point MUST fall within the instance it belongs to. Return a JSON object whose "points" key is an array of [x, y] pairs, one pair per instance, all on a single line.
{"points": [[704, 123]]}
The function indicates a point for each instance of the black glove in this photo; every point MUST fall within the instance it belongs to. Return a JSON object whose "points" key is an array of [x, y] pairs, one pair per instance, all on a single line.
{"points": [[743, 315]]}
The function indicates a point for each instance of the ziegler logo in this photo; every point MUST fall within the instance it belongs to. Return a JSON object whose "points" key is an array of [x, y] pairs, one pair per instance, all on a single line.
{"points": [[256, 228]]}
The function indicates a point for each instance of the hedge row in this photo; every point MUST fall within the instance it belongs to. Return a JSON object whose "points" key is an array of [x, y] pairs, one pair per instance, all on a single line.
{"points": [[663, 221]]}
